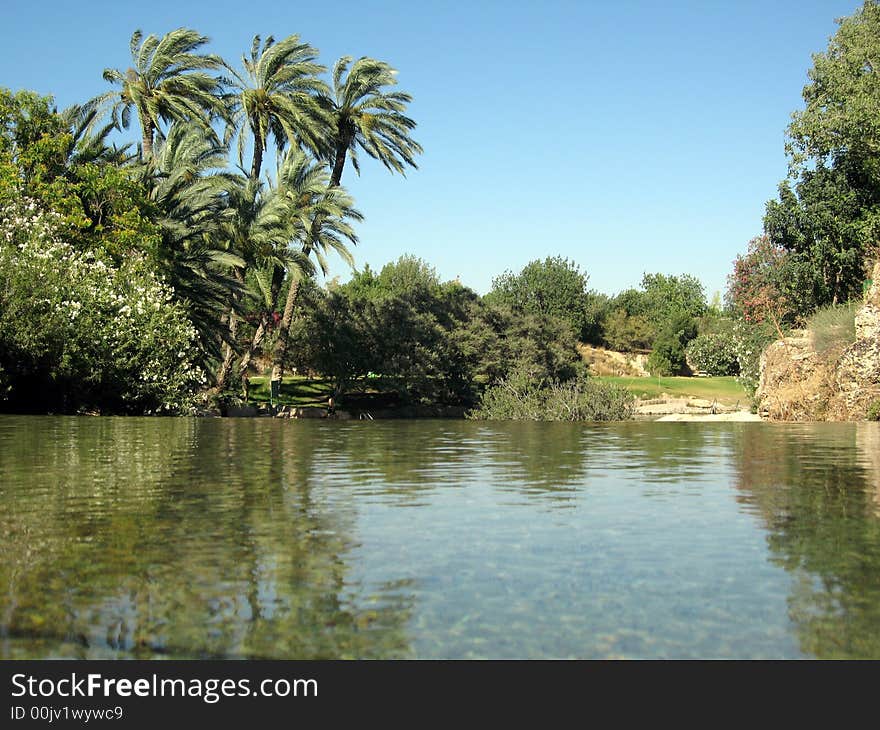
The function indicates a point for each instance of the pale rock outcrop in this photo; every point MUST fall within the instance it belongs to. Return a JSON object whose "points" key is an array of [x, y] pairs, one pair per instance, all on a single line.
{"points": [[799, 384]]}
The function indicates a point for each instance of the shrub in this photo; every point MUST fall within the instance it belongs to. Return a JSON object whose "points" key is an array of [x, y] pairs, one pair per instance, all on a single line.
{"points": [[832, 327], [626, 332], [522, 396], [714, 354], [79, 332], [749, 340], [668, 355], [874, 411]]}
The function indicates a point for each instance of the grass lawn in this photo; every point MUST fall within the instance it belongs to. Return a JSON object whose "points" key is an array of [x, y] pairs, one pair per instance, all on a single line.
{"points": [[723, 389], [295, 390]]}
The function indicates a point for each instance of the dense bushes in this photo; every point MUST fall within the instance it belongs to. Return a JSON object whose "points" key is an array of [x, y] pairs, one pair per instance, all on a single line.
{"points": [[524, 396], [430, 342], [79, 331], [713, 353]]}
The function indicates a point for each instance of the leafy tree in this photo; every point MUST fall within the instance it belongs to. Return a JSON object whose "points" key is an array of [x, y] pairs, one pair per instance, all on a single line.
{"points": [[665, 297], [842, 112], [668, 355], [830, 219], [168, 81], [50, 159], [766, 284], [626, 332], [553, 287], [827, 223]]}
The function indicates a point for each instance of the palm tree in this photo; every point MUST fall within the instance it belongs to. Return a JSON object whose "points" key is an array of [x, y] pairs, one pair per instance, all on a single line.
{"points": [[367, 116], [167, 82], [88, 142], [276, 96], [321, 224], [191, 199], [258, 228]]}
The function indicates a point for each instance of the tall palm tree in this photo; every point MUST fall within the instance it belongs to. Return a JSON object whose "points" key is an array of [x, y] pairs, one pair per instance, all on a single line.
{"points": [[276, 96], [258, 229], [190, 197], [168, 81], [321, 223], [368, 115]]}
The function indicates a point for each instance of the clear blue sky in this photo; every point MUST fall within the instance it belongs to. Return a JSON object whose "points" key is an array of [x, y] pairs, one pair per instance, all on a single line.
{"points": [[628, 136]]}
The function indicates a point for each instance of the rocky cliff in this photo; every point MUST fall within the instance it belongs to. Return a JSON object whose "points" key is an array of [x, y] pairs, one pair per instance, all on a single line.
{"points": [[799, 384]]}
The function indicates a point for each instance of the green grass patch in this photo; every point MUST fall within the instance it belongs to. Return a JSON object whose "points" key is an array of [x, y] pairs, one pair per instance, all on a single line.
{"points": [[726, 390], [295, 390]]}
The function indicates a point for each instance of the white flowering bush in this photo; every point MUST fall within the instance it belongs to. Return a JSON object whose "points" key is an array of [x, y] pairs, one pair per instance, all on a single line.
{"points": [[78, 326], [713, 353], [749, 341]]}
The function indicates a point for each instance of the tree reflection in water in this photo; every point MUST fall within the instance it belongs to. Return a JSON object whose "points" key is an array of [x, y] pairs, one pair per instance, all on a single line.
{"points": [[147, 537], [817, 489]]}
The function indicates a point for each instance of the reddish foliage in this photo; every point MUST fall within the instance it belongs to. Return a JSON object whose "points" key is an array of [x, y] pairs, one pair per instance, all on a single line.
{"points": [[756, 284]]}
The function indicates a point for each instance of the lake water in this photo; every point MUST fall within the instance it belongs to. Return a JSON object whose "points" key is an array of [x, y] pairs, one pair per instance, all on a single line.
{"points": [[258, 538]]}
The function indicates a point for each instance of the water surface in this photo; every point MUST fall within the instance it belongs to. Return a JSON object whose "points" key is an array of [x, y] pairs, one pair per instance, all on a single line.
{"points": [[254, 538]]}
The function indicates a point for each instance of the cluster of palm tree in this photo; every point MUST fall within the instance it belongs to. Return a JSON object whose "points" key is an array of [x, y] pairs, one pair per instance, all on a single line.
{"points": [[231, 234]]}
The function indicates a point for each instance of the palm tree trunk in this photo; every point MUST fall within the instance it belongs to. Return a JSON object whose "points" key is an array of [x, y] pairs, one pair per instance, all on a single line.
{"points": [[228, 356], [338, 165], [225, 368], [279, 354], [257, 162], [147, 139], [263, 326]]}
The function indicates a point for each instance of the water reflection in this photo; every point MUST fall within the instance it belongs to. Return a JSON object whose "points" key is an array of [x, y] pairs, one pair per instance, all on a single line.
{"points": [[816, 489], [259, 538], [175, 537]]}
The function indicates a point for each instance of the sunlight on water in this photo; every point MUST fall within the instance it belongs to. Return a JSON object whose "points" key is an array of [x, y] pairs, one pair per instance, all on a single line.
{"points": [[123, 537]]}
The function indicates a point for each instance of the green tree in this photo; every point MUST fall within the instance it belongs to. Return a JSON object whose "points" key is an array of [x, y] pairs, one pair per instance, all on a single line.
{"points": [[553, 287], [665, 297], [668, 355], [168, 81], [842, 112], [828, 223], [830, 219], [51, 160]]}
